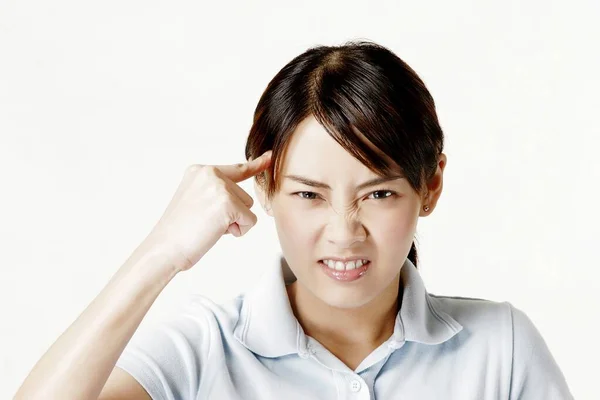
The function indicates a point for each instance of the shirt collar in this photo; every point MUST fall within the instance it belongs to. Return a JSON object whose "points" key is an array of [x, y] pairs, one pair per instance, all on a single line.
{"points": [[268, 327]]}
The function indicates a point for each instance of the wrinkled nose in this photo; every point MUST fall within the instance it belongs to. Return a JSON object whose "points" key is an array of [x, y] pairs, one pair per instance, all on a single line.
{"points": [[345, 230]]}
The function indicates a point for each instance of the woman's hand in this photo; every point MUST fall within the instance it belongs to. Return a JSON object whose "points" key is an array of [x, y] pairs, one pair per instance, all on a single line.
{"points": [[207, 204]]}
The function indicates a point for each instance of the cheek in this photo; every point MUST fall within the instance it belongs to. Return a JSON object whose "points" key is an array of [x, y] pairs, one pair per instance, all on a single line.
{"points": [[394, 227], [293, 226]]}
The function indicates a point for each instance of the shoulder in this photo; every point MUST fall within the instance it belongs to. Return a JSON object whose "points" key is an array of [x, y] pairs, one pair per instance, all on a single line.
{"points": [[484, 320], [169, 356], [195, 323], [202, 312], [483, 314], [503, 328]]}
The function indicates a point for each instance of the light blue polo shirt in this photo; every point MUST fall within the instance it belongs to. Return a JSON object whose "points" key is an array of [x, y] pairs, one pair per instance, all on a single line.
{"points": [[252, 347]]}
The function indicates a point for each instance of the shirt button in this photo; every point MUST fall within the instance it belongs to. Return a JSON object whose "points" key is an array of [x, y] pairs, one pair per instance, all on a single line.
{"points": [[355, 385]]}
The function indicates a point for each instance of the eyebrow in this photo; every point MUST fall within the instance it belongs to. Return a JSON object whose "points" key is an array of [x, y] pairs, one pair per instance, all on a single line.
{"points": [[372, 182]]}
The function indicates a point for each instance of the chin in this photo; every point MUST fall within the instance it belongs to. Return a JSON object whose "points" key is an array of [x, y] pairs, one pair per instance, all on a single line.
{"points": [[343, 297]]}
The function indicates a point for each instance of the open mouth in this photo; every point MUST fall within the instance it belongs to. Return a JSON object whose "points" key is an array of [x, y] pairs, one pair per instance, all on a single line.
{"points": [[345, 271], [345, 266]]}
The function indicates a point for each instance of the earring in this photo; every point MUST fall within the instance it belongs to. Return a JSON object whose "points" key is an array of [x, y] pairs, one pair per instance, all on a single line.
{"points": [[426, 208]]}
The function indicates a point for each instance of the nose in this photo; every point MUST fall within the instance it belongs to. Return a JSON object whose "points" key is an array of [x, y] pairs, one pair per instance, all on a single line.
{"points": [[344, 231]]}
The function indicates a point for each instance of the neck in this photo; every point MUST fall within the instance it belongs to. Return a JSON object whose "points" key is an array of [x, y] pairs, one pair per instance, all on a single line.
{"points": [[368, 325]]}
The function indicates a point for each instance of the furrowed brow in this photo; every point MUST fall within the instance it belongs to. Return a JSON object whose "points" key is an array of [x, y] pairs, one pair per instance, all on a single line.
{"points": [[309, 182]]}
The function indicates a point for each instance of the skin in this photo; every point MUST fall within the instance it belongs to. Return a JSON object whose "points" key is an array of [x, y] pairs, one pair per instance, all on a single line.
{"points": [[350, 320], [81, 363], [378, 222]]}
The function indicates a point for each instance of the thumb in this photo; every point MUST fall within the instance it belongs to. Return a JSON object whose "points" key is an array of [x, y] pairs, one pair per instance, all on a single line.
{"points": [[243, 171]]}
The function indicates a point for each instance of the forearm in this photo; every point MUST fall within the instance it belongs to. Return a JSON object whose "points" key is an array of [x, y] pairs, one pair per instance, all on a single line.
{"points": [[79, 363]]}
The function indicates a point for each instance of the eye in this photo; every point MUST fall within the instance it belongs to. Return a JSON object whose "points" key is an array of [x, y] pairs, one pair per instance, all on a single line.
{"points": [[381, 194], [306, 195]]}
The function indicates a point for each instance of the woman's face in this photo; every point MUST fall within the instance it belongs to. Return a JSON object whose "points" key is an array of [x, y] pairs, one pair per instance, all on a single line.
{"points": [[323, 211]]}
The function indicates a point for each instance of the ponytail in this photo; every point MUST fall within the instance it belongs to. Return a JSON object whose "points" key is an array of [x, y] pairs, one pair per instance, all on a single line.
{"points": [[412, 254]]}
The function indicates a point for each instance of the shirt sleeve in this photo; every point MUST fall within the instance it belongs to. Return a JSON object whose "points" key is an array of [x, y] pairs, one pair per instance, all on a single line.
{"points": [[166, 357], [535, 373]]}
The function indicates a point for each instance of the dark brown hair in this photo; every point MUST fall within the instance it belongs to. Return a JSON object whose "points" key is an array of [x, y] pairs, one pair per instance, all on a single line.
{"points": [[355, 86]]}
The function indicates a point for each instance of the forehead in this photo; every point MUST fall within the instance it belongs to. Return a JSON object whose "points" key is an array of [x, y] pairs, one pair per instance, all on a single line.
{"points": [[312, 152]]}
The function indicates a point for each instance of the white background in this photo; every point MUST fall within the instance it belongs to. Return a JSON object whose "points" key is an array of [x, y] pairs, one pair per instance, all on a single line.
{"points": [[104, 104]]}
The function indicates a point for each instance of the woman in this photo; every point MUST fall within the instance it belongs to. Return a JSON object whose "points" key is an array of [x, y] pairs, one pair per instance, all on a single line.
{"points": [[346, 151]]}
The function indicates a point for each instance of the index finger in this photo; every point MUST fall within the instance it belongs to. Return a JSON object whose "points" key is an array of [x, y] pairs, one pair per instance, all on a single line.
{"points": [[243, 171]]}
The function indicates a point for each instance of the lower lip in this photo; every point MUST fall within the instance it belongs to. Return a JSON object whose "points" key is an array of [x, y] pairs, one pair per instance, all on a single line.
{"points": [[345, 276]]}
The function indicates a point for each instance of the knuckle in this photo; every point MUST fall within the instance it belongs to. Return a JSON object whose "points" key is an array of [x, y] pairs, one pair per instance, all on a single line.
{"points": [[194, 168], [209, 171], [207, 176]]}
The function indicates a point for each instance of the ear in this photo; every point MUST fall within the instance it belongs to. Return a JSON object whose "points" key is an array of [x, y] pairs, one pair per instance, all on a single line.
{"points": [[434, 186], [262, 197]]}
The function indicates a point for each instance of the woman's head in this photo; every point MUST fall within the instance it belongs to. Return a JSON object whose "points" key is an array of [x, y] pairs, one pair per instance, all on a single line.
{"points": [[336, 117]]}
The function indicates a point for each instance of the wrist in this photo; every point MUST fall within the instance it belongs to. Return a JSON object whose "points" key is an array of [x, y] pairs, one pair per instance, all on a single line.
{"points": [[150, 262]]}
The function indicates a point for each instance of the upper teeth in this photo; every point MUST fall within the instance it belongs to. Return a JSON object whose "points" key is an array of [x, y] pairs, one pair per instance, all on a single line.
{"points": [[341, 266]]}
